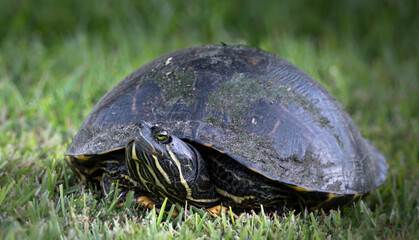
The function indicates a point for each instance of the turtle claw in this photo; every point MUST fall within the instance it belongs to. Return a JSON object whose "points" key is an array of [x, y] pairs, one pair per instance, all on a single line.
{"points": [[147, 202], [150, 204], [218, 210]]}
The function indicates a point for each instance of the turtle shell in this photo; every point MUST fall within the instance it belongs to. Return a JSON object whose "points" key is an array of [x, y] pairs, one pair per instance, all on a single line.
{"points": [[261, 110]]}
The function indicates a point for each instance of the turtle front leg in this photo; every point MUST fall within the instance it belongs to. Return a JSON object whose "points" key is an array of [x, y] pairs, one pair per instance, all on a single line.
{"points": [[218, 210], [143, 201], [150, 204], [146, 202]]}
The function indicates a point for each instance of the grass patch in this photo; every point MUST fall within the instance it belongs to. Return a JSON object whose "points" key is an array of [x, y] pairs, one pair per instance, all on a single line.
{"points": [[58, 59]]}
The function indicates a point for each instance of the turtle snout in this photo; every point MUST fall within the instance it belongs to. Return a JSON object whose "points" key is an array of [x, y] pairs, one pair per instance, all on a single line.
{"points": [[143, 124]]}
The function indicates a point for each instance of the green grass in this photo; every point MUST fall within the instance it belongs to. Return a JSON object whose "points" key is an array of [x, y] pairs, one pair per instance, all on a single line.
{"points": [[58, 59]]}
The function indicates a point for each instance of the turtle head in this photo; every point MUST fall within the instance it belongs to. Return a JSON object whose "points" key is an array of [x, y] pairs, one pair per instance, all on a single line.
{"points": [[150, 143], [168, 167], [160, 161]]}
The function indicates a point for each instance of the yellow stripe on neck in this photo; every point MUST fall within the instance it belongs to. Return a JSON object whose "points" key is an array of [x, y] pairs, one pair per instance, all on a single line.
{"points": [[166, 177], [182, 180]]}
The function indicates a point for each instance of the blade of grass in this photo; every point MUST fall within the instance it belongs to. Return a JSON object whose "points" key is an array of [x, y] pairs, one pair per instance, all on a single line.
{"points": [[62, 199], [161, 213]]}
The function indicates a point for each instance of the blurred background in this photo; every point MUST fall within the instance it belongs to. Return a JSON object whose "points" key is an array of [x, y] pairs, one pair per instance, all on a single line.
{"points": [[58, 58]]}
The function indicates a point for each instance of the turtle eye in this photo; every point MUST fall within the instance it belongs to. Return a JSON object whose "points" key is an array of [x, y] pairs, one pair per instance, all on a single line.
{"points": [[161, 135]]}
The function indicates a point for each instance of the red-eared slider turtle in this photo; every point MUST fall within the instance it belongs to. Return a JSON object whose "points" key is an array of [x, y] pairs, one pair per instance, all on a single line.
{"points": [[226, 125]]}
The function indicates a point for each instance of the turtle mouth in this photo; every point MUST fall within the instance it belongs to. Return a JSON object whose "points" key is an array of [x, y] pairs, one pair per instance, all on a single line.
{"points": [[142, 148], [143, 145]]}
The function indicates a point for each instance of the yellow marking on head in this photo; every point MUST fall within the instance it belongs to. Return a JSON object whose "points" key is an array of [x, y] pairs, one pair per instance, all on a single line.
{"points": [[156, 179], [182, 180], [151, 171], [149, 143], [137, 168], [156, 160], [236, 199], [134, 153]]}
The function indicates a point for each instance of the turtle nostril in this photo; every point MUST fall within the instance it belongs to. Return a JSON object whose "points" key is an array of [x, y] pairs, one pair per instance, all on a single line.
{"points": [[143, 124], [139, 124]]}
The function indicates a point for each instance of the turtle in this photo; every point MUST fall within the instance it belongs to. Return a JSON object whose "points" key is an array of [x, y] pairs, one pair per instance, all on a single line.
{"points": [[225, 126]]}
